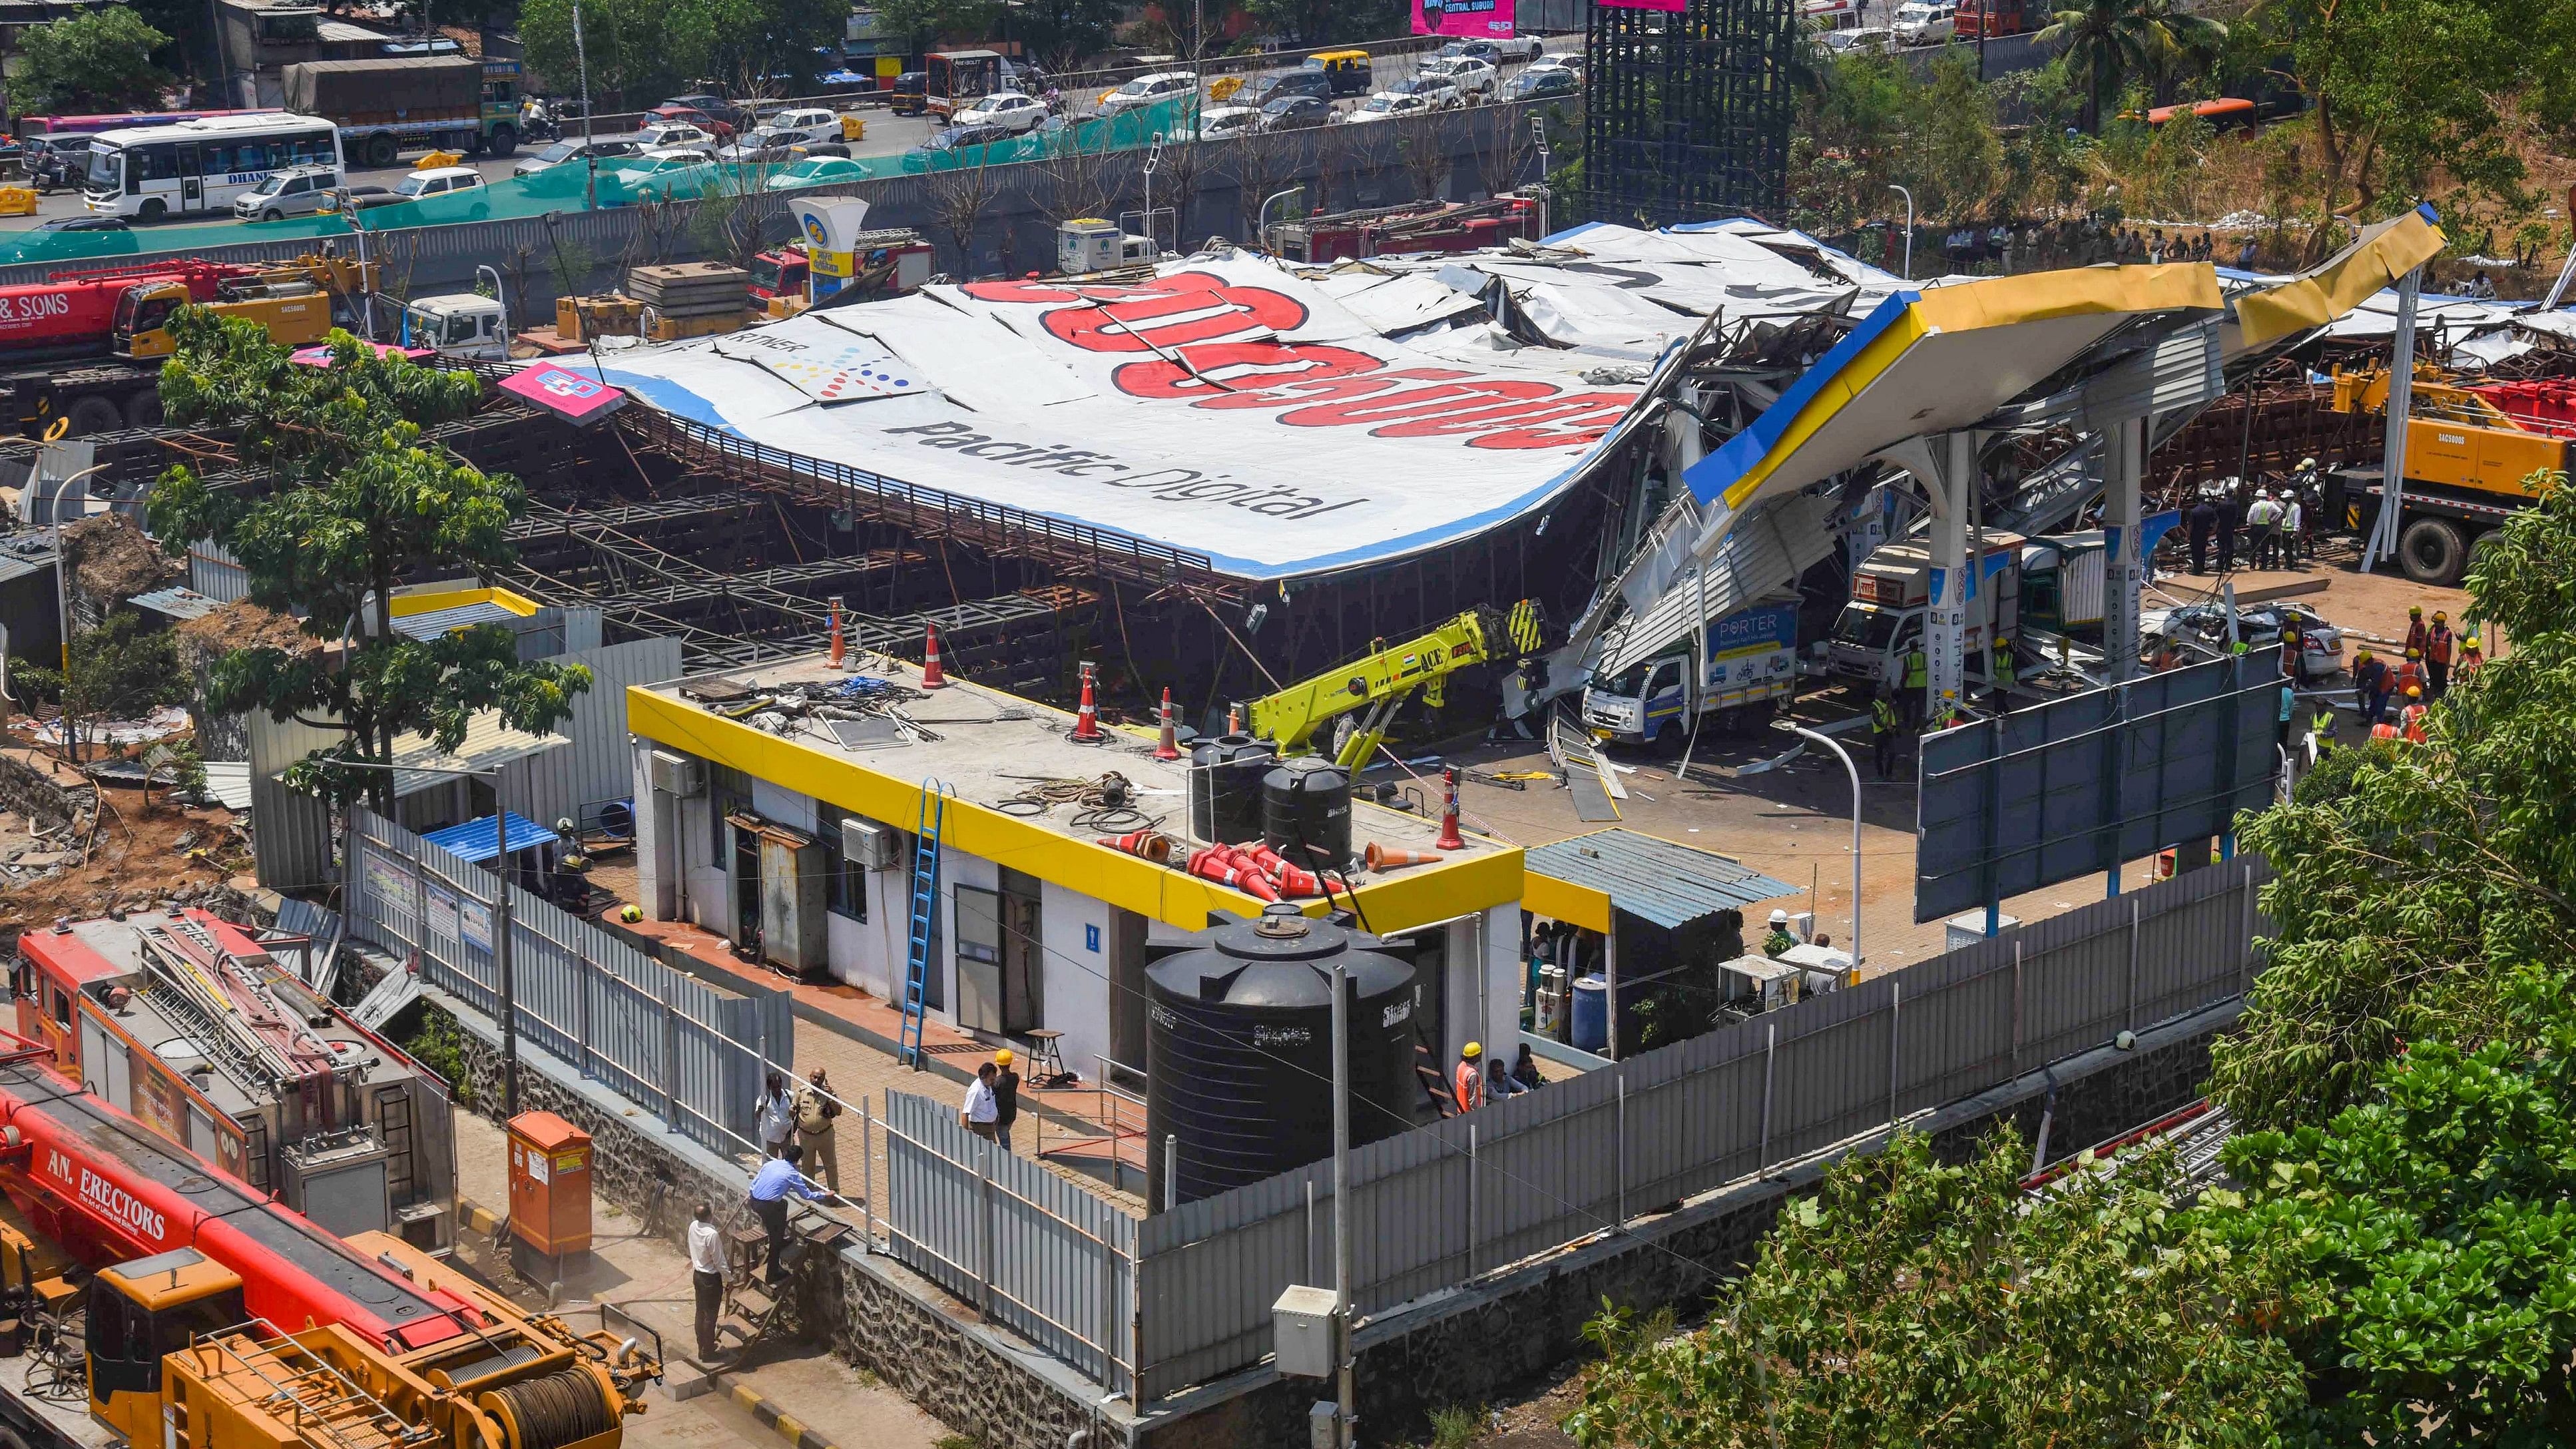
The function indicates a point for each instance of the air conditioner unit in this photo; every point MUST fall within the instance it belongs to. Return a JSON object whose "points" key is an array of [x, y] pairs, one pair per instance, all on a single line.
{"points": [[867, 845], [678, 774]]}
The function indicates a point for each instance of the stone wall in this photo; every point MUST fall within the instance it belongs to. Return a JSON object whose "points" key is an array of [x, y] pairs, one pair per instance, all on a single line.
{"points": [[31, 790]]}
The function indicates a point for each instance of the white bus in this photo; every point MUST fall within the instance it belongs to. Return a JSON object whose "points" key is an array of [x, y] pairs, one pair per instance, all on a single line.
{"points": [[196, 167]]}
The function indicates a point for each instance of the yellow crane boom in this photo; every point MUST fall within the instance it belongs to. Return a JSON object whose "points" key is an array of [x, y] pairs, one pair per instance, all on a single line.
{"points": [[1388, 675]]}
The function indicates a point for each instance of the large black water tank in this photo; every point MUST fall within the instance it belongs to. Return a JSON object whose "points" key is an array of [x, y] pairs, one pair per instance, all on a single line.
{"points": [[1224, 788], [1239, 1060], [1306, 812]]}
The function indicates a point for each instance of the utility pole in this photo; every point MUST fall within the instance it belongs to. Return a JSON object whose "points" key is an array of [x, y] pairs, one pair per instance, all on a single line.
{"points": [[1345, 1375], [590, 152]]}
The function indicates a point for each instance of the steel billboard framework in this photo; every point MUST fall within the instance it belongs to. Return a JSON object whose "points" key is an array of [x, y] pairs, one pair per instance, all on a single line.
{"points": [[1687, 111], [2082, 784]]}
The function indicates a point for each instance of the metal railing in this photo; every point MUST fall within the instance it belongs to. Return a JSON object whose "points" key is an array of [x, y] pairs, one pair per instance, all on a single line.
{"points": [[1439, 1206], [689, 1050]]}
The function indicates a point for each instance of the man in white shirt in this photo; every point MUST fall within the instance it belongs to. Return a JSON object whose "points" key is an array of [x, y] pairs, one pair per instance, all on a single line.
{"points": [[981, 1110], [777, 1115], [707, 1270]]}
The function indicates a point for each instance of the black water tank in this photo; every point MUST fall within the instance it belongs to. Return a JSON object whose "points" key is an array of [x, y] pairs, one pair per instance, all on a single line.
{"points": [[1224, 788], [1239, 1060], [1306, 812]]}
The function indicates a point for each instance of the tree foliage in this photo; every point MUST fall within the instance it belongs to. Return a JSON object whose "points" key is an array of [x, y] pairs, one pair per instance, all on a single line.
{"points": [[2412, 882], [1919, 1304], [2406, 92], [2436, 1222], [354, 503], [2110, 42], [122, 669], [98, 61], [628, 43]]}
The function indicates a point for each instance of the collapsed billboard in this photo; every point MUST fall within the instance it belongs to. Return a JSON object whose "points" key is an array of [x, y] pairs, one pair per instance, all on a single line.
{"points": [[1224, 406]]}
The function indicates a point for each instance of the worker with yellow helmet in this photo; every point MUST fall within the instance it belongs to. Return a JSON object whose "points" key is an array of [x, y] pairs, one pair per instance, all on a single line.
{"points": [[1468, 1082]]}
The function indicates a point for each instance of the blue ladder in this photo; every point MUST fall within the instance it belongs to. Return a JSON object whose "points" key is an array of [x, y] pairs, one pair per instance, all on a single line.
{"points": [[925, 917]]}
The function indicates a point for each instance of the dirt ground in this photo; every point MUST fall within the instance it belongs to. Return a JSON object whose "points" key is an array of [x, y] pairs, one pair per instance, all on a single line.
{"points": [[138, 855]]}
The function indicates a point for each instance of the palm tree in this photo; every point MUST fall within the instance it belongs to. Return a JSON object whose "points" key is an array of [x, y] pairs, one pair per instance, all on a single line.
{"points": [[2110, 40]]}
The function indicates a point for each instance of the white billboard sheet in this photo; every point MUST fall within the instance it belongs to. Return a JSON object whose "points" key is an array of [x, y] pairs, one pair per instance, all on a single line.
{"points": [[1224, 407]]}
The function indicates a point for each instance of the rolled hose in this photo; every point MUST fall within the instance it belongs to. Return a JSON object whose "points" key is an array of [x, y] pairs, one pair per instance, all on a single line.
{"points": [[554, 1411]]}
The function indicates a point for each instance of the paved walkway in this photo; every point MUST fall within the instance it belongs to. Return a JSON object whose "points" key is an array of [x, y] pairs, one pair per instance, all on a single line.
{"points": [[649, 1277]]}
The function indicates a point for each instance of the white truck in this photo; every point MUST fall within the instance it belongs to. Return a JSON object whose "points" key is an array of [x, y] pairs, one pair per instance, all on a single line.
{"points": [[2061, 584], [1891, 592], [1752, 662], [462, 325]]}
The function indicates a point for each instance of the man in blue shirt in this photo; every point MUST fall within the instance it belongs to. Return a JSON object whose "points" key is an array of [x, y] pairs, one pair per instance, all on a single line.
{"points": [[778, 1177]]}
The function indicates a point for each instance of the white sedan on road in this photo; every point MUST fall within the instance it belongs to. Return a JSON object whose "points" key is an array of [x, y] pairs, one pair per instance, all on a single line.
{"points": [[1926, 22], [1389, 105], [1475, 79], [1010, 110]]}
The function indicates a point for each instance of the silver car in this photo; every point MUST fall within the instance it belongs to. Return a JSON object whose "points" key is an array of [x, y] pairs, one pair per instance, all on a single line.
{"points": [[608, 149], [295, 191]]}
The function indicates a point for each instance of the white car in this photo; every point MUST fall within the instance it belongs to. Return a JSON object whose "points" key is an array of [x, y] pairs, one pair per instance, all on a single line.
{"points": [[1475, 79], [801, 126], [1438, 92], [1223, 123], [656, 135], [1867, 39], [1010, 110], [295, 191], [1144, 90], [1925, 22], [437, 181], [1388, 105]]}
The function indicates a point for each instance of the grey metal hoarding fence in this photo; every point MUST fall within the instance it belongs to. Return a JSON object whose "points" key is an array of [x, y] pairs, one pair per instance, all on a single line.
{"points": [[1435, 1207], [1029, 1249], [688, 1050]]}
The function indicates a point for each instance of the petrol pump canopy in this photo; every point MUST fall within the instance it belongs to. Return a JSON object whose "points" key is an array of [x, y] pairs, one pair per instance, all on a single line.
{"points": [[1584, 879]]}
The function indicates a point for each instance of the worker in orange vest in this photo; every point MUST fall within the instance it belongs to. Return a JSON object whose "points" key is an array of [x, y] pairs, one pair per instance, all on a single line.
{"points": [[2410, 673], [2385, 731], [2437, 656], [2411, 718], [1468, 1085], [2415, 630], [2471, 656]]}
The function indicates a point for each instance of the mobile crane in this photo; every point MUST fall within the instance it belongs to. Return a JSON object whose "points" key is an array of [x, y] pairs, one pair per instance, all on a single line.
{"points": [[164, 1303], [2476, 454], [87, 345], [1388, 676]]}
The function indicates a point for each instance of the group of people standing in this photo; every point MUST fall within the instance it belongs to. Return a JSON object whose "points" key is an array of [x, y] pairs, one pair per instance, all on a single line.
{"points": [[2435, 656], [2276, 528], [1476, 1081], [794, 1127]]}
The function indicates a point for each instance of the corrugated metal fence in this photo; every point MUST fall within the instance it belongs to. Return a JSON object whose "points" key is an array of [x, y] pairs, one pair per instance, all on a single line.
{"points": [[687, 1049], [1435, 1207], [1026, 1247]]}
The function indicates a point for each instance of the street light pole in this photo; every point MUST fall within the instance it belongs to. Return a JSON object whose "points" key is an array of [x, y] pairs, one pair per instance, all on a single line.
{"points": [[1344, 1375], [1909, 228], [1829, 742], [589, 152]]}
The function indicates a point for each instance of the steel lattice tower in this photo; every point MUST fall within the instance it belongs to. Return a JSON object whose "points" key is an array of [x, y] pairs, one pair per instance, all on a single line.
{"points": [[1686, 113]]}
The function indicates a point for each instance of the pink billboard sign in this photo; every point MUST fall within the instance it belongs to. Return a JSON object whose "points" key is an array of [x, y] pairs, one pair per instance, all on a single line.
{"points": [[1671, 6], [1473, 19], [567, 394]]}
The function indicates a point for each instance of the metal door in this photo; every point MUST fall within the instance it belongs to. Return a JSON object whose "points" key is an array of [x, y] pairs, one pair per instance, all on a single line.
{"points": [[192, 186], [980, 997]]}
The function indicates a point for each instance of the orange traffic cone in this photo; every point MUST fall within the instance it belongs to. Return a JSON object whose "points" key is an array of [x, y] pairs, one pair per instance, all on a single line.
{"points": [[932, 676], [1381, 857], [1450, 839], [1169, 747], [1153, 845], [838, 657], [1215, 864], [1086, 720]]}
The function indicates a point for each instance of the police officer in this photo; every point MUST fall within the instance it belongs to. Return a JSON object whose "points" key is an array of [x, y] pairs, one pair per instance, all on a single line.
{"points": [[1918, 678]]}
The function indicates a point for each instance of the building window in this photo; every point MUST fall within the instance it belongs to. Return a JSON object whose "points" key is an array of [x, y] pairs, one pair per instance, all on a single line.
{"points": [[845, 885], [728, 793]]}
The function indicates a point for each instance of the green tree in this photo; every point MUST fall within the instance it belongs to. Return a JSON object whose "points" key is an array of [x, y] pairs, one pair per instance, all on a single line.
{"points": [[628, 42], [101, 61], [755, 47], [352, 503], [2111, 41], [122, 669], [1912, 1303], [2438, 1222], [2412, 882], [2408, 91]]}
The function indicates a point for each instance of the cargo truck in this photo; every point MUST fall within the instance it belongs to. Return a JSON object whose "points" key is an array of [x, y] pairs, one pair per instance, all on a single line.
{"points": [[1892, 591], [387, 105], [1751, 666], [84, 348], [2061, 584]]}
